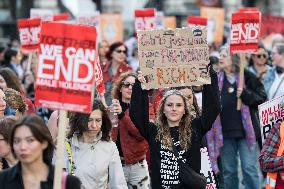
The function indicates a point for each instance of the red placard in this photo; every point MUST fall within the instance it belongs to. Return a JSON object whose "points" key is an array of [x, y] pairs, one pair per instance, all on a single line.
{"points": [[29, 30], [197, 20], [248, 9], [145, 19], [245, 32], [272, 24], [66, 67], [62, 16]]}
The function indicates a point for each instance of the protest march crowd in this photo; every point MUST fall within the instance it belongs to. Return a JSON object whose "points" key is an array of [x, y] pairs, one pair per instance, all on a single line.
{"points": [[150, 112]]}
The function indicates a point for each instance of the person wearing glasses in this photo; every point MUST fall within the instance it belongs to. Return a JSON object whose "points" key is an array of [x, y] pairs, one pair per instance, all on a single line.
{"points": [[258, 63], [131, 145], [274, 78], [115, 66]]}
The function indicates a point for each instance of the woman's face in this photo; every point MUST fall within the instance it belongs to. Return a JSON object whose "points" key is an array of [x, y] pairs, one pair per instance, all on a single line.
{"points": [[225, 60], [188, 94], [174, 108], [103, 48], [3, 83], [276, 57], [259, 57], [4, 147], [2, 101], [126, 89], [94, 124], [119, 54], [27, 148]]}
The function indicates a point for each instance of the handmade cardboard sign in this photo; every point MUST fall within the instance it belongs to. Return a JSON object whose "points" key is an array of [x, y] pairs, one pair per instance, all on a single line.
{"points": [[145, 19], [111, 27], [174, 57], [89, 19], [66, 67], [270, 113], [29, 30], [245, 31]]}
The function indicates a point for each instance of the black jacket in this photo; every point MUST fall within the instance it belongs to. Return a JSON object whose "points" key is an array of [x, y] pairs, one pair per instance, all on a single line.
{"points": [[12, 179], [139, 108], [252, 96]]}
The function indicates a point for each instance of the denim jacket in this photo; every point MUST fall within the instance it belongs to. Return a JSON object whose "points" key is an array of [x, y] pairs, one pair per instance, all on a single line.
{"points": [[268, 79]]}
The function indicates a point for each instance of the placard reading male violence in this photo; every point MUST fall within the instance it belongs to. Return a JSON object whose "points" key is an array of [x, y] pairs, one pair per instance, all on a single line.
{"points": [[174, 57], [270, 113], [245, 32], [66, 67]]}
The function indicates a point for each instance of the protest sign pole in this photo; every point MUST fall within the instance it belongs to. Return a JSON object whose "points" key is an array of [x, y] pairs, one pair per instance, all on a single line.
{"points": [[60, 149], [241, 81], [30, 57]]}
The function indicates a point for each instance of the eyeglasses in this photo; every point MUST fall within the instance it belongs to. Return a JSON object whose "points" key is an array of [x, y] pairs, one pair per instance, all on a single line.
{"points": [[261, 55], [127, 84], [120, 51]]}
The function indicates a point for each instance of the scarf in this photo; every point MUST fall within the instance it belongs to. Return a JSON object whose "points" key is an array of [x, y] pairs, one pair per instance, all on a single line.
{"points": [[215, 137]]}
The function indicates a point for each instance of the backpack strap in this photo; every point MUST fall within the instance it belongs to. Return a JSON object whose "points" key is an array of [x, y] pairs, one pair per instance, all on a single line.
{"points": [[272, 176]]}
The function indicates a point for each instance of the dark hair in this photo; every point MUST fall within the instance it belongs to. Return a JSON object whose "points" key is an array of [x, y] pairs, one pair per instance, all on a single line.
{"points": [[11, 79], [5, 126], [2, 48], [9, 53], [39, 131], [116, 88], [260, 46], [79, 121], [213, 60], [113, 47]]}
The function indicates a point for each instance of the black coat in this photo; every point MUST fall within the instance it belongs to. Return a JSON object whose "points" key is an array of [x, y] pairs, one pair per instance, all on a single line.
{"points": [[252, 96], [12, 179]]}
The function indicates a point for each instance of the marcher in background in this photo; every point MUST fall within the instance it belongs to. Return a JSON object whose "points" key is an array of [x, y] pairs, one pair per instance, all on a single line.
{"points": [[131, 145], [235, 132], [8, 79], [10, 57], [274, 78], [32, 144], [16, 101], [7, 158], [103, 48], [174, 128], [91, 155], [270, 160], [258, 63], [115, 66]]}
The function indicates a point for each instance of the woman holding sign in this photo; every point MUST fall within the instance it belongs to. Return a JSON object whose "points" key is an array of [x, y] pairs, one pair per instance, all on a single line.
{"points": [[32, 144], [175, 138], [235, 132], [91, 155]]}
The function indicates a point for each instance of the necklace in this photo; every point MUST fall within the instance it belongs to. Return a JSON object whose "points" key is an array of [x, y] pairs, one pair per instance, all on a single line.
{"points": [[231, 89]]}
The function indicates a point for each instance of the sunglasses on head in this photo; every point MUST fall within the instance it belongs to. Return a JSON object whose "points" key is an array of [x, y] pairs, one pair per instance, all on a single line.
{"points": [[120, 51], [260, 55], [127, 84]]}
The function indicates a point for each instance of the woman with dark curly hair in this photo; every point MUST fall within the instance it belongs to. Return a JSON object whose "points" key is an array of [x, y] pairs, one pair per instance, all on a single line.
{"points": [[91, 155], [174, 131]]}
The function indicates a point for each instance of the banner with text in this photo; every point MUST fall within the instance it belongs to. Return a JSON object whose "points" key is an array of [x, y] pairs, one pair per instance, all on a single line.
{"points": [[145, 19], [215, 23], [270, 113], [111, 27], [66, 67], [206, 169], [174, 57], [245, 32], [272, 24], [29, 30]]}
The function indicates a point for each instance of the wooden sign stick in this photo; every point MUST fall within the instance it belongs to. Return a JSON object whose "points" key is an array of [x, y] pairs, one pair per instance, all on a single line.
{"points": [[241, 81], [60, 149]]}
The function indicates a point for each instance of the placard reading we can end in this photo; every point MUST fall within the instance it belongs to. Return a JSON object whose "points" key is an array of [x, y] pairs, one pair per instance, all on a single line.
{"points": [[66, 67], [174, 57]]}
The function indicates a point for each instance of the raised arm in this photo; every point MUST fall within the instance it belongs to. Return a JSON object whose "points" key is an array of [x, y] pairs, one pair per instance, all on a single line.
{"points": [[139, 110], [211, 106]]}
